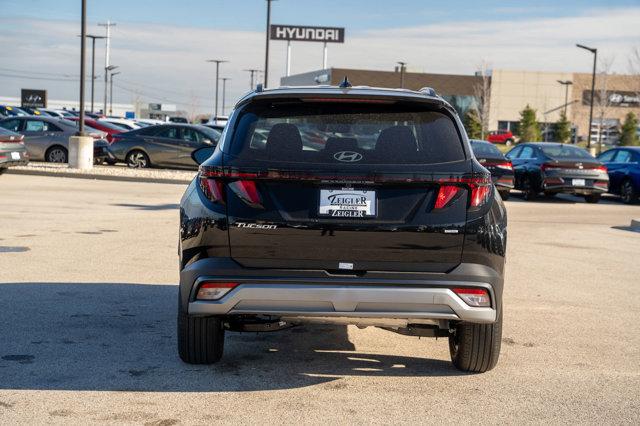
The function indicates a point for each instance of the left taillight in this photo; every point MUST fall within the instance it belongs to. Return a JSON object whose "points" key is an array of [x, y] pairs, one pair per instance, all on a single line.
{"points": [[212, 188], [214, 290], [602, 168]]}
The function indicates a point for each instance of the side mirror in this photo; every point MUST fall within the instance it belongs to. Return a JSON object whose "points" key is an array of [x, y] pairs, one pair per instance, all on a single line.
{"points": [[207, 141], [201, 155]]}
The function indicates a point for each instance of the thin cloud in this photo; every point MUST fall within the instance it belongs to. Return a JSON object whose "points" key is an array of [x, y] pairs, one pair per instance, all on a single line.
{"points": [[172, 58]]}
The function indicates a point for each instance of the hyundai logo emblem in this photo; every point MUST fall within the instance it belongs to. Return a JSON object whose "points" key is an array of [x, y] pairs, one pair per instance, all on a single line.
{"points": [[347, 156]]}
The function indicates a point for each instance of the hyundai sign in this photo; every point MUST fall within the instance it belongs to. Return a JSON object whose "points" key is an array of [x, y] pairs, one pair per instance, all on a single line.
{"points": [[32, 98], [298, 33]]}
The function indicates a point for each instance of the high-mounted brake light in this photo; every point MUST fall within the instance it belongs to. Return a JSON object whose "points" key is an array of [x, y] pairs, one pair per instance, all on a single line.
{"points": [[214, 291], [475, 296]]}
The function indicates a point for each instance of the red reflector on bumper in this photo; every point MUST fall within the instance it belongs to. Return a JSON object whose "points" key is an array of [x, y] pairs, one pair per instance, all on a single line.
{"points": [[473, 296]]}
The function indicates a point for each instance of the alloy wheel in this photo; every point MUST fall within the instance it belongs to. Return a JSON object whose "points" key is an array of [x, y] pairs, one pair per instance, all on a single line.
{"points": [[137, 160], [57, 155]]}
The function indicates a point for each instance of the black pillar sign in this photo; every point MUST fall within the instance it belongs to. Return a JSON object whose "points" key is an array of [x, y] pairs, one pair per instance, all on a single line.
{"points": [[33, 98], [300, 33]]}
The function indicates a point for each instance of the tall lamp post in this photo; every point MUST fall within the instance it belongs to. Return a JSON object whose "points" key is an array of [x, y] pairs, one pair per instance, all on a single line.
{"points": [[93, 64], [217, 62], [402, 68], [83, 39], [593, 88], [111, 92], [224, 91], [107, 53], [566, 84], [252, 72], [107, 70], [266, 50]]}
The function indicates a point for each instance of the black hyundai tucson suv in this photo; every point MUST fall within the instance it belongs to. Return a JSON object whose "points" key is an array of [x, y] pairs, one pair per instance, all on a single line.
{"points": [[342, 205]]}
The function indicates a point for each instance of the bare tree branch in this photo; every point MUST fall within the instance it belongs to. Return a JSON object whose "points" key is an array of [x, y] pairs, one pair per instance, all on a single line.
{"points": [[482, 92]]}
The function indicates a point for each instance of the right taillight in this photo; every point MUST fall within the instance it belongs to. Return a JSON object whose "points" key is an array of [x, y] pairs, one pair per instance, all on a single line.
{"points": [[474, 296], [479, 188]]}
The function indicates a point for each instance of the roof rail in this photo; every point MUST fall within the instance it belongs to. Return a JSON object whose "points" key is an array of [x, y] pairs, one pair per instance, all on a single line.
{"points": [[429, 91], [259, 88]]}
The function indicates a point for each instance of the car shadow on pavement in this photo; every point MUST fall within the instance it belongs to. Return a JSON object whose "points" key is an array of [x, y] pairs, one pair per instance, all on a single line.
{"points": [[112, 336]]}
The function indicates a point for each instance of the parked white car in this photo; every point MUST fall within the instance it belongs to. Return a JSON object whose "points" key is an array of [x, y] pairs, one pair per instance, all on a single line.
{"points": [[122, 122], [148, 121]]}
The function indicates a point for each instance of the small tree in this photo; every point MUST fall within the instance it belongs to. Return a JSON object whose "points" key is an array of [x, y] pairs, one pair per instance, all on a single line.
{"points": [[472, 124], [528, 128], [629, 132], [563, 128]]}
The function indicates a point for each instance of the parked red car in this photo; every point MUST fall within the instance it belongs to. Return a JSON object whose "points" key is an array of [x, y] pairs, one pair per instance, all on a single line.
{"points": [[501, 136], [108, 128]]}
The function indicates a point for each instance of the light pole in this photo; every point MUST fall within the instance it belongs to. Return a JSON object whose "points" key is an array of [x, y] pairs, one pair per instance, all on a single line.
{"points": [[593, 88], [402, 68], [251, 72], [266, 50], [93, 64], [107, 52], [224, 91], [217, 62], [111, 92], [107, 70], [83, 39], [566, 84]]}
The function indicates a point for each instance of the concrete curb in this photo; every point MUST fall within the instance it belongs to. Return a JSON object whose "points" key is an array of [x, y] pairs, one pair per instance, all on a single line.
{"points": [[73, 175]]}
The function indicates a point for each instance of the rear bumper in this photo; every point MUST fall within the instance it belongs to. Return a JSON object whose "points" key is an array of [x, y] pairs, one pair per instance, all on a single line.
{"points": [[586, 183], [300, 294], [8, 160]]}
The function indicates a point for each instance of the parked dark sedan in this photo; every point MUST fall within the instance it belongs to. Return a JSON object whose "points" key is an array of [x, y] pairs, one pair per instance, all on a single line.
{"points": [[623, 165], [47, 138], [12, 150], [555, 168], [493, 160], [166, 145]]}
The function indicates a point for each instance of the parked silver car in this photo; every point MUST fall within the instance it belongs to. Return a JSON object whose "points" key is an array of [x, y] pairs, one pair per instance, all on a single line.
{"points": [[164, 145], [47, 138]]}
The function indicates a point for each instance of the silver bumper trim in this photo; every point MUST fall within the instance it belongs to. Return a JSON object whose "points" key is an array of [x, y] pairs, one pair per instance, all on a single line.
{"points": [[362, 301]]}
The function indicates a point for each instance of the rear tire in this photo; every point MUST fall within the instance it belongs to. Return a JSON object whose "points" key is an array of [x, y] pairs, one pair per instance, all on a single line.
{"points": [[57, 154], [592, 198], [504, 195], [200, 339], [530, 193], [628, 193], [476, 347]]}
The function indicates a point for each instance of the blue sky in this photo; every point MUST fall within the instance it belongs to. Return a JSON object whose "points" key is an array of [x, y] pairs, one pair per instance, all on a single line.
{"points": [[356, 15], [161, 45]]}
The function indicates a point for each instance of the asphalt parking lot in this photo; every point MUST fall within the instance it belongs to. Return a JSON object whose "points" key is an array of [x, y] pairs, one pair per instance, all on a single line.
{"points": [[88, 305]]}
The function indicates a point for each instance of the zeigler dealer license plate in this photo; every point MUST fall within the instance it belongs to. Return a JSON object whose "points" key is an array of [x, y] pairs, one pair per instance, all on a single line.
{"points": [[347, 202]]}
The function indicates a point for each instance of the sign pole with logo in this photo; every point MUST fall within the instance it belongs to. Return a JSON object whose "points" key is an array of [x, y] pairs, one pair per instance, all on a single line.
{"points": [[291, 33]]}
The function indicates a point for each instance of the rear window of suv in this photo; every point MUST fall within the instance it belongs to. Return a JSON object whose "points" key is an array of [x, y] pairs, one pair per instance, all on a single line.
{"points": [[346, 133]]}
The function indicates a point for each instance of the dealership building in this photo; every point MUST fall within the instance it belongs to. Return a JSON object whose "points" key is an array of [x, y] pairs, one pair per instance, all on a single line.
{"points": [[509, 92]]}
